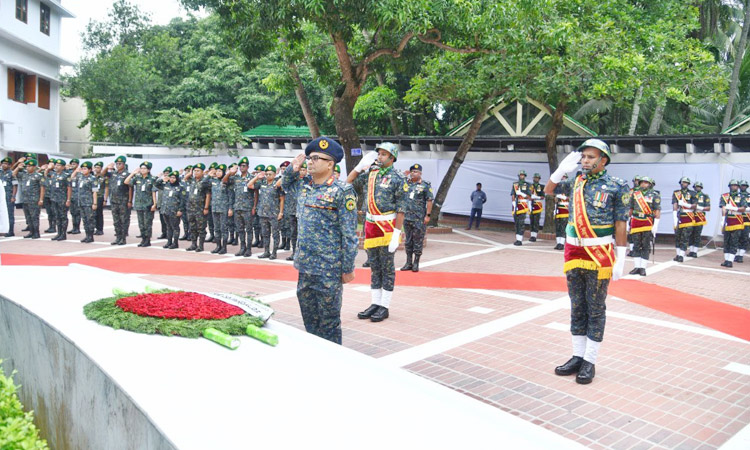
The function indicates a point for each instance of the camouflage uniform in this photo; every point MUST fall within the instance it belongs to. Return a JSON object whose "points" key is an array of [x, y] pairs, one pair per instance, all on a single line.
{"points": [[87, 185], [703, 201], [642, 236], [390, 197], [326, 248], [537, 190], [291, 186], [186, 214], [143, 200], [242, 207], [269, 198], [607, 201], [48, 204], [119, 196], [8, 181], [197, 192], [219, 210], [745, 233], [58, 197], [416, 210], [32, 185], [682, 231], [75, 207], [562, 212], [99, 213], [520, 205], [173, 200], [732, 236]]}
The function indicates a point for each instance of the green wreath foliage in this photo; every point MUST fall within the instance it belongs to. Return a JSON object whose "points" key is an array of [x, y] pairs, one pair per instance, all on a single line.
{"points": [[17, 429], [106, 312]]}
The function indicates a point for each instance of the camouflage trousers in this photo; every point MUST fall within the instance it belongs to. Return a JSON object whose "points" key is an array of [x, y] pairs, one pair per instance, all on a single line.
{"points": [[681, 237], [695, 236], [560, 225], [732, 241], [587, 303], [173, 226], [221, 227], [243, 225], [197, 222], [256, 226], [414, 231], [210, 222], [11, 213], [319, 300], [99, 214], [61, 215], [186, 224], [119, 215], [163, 222], [382, 267], [145, 222], [89, 219], [744, 238], [535, 218], [641, 244], [293, 233], [285, 226], [75, 213], [270, 225], [50, 212], [31, 214], [518, 220]]}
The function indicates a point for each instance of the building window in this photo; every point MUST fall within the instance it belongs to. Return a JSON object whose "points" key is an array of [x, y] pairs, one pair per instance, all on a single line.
{"points": [[44, 19], [43, 94], [21, 86], [22, 9]]}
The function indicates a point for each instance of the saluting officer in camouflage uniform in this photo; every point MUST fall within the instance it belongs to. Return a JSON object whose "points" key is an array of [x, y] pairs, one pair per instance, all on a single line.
{"points": [[75, 208], [418, 208], [270, 207], [100, 198], [732, 205], [562, 212], [143, 192], [520, 197], [241, 208], [645, 212], [173, 204], [327, 242], [59, 197], [292, 186], [336, 172], [702, 206], [683, 206], [33, 193], [162, 220], [231, 223], [198, 206], [86, 198], [385, 193], [119, 197], [537, 198], [284, 225], [10, 187], [745, 234], [599, 211], [219, 207], [186, 216], [257, 229]]}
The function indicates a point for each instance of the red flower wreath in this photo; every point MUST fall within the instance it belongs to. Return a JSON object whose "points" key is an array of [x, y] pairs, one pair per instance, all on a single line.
{"points": [[178, 305]]}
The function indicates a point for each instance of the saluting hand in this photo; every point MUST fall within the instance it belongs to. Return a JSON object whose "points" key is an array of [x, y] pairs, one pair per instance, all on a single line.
{"points": [[297, 161]]}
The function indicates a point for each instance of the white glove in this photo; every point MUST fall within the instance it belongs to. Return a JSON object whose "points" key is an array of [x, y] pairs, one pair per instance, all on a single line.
{"points": [[568, 164], [619, 262], [685, 204], [366, 161], [394, 241], [699, 208], [536, 197], [674, 218], [655, 227], [732, 208]]}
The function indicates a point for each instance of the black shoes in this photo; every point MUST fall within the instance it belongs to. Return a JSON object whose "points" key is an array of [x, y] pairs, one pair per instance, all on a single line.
{"points": [[408, 265], [242, 251], [367, 313], [264, 255], [726, 264], [380, 315], [366, 263], [98, 233], [192, 247], [738, 259], [692, 255], [559, 247], [162, 236], [249, 252], [642, 271], [569, 368], [50, 230], [629, 253], [678, 258], [585, 373], [532, 239], [635, 271], [518, 243], [74, 231]]}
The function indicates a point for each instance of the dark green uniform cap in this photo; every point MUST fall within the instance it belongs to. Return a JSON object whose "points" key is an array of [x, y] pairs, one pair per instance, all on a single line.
{"points": [[260, 168], [147, 164], [536, 175], [200, 166], [743, 183], [213, 165], [337, 168], [7, 160], [271, 168], [168, 169], [521, 172], [99, 164], [30, 162], [244, 160], [685, 180], [698, 184], [121, 159], [188, 167], [222, 167], [60, 161], [87, 164], [75, 160], [174, 173]]}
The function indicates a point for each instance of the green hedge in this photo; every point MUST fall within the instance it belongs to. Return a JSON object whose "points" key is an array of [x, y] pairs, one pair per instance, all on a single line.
{"points": [[17, 429]]}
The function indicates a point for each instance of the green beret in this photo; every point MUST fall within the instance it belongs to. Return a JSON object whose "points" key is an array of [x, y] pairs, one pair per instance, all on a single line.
{"points": [[304, 165], [222, 167], [200, 166], [213, 165], [75, 160], [188, 167], [7, 160], [147, 164], [60, 161], [29, 155], [30, 162], [233, 165], [86, 165], [337, 168], [168, 169], [99, 164], [121, 159], [260, 168], [271, 168], [174, 174], [244, 160]]}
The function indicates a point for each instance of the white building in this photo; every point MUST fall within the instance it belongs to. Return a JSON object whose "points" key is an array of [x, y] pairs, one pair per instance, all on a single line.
{"points": [[29, 75]]}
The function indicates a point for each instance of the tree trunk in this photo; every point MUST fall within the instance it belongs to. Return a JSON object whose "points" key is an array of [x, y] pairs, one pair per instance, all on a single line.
{"points": [[304, 102], [458, 159], [736, 70], [658, 116], [344, 99], [550, 143], [395, 128], [636, 111]]}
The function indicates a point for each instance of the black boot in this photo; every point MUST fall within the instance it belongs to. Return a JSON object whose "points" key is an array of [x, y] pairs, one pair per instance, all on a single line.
{"points": [[174, 242], [193, 246], [63, 236], [366, 263], [147, 242], [10, 232], [51, 229], [635, 271], [223, 248], [242, 249], [571, 367], [98, 233], [585, 373], [184, 237], [408, 265], [738, 259], [143, 241], [122, 241], [273, 253], [116, 241], [291, 257], [30, 235], [35, 231], [266, 253], [260, 243], [168, 244], [233, 238], [28, 228], [201, 241], [248, 252], [287, 244], [218, 246], [163, 235], [415, 268], [642, 271], [75, 230]]}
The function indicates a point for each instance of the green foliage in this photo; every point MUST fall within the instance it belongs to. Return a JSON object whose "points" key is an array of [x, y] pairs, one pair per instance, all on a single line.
{"points": [[199, 129], [17, 429], [105, 312]]}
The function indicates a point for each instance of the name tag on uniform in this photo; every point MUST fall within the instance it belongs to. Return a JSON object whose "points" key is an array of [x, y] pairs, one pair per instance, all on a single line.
{"points": [[411, 195], [57, 184], [170, 193], [245, 188], [74, 184], [143, 188], [95, 189], [195, 191], [28, 183], [119, 182]]}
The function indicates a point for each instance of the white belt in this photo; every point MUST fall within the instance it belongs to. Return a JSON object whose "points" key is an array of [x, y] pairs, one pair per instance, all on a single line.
{"points": [[377, 218], [591, 242]]}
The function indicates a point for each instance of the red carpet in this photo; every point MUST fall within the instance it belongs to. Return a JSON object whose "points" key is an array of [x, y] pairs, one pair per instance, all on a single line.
{"points": [[720, 316]]}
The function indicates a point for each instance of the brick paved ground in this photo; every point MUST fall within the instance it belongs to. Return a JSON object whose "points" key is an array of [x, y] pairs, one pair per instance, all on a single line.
{"points": [[662, 382]]}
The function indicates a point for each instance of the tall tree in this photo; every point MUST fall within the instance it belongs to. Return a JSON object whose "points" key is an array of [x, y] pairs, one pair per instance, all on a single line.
{"points": [[733, 86]]}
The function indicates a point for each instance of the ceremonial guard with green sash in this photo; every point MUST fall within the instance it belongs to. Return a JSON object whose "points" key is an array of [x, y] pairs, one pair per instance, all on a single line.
{"points": [[385, 194], [537, 206], [419, 200], [732, 205], [597, 223], [745, 234], [562, 212], [636, 183], [645, 212], [683, 214], [702, 206], [521, 204]]}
